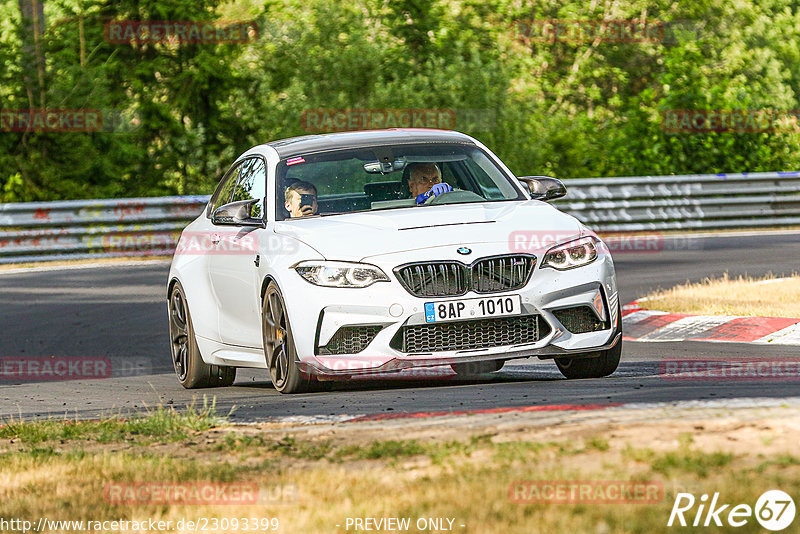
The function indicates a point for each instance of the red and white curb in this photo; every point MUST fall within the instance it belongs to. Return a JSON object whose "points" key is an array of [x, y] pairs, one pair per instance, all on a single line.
{"points": [[651, 325]]}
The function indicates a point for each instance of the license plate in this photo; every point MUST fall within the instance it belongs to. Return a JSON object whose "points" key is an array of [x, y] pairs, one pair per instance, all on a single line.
{"points": [[455, 310]]}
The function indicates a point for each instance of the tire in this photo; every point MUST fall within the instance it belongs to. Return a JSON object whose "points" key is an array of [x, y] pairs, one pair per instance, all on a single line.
{"points": [[477, 368], [191, 370], [603, 364], [279, 348]]}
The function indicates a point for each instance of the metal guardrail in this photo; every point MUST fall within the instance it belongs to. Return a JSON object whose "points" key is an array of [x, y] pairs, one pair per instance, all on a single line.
{"points": [[685, 202], [40, 231], [77, 229]]}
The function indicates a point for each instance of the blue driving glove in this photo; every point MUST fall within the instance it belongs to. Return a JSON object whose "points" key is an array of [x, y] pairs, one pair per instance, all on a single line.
{"points": [[435, 191]]}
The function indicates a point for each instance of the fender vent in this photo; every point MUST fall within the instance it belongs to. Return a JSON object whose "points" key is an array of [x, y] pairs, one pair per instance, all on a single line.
{"points": [[350, 339], [580, 319]]}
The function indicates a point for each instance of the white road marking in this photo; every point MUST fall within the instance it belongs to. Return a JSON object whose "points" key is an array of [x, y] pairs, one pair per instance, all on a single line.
{"points": [[788, 336], [637, 316], [686, 328]]}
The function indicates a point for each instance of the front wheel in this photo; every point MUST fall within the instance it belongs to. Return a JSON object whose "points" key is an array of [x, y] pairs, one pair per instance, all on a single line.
{"points": [[603, 364], [191, 370], [279, 349]]}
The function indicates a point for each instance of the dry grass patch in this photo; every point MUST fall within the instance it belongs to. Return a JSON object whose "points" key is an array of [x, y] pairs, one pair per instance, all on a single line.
{"points": [[63, 473], [157, 424], [757, 297]]}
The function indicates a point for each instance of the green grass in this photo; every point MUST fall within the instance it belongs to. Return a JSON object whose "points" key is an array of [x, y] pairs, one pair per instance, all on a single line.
{"points": [[125, 466], [597, 443], [160, 423], [170, 425], [437, 452], [286, 446], [517, 450], [640, 455], [234, 442], [375, 450], [382, 450], [691, 461], [310, 450], [48, 477], [393, 449], [784, 460]]}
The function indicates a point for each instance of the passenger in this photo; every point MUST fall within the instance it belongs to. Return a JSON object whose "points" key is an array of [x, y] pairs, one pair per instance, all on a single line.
{"points": [[301, 199]]}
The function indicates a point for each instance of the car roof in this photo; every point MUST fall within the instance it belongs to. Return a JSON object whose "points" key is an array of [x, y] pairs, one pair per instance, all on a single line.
{"points": [[307, 144]]}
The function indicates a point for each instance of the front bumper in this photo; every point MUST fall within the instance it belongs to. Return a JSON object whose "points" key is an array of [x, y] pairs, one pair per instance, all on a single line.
{"points": [[400, 364], [320, 312]]}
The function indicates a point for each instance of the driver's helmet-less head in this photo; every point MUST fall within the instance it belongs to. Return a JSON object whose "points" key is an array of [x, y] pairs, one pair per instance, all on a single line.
{"points": [[428, 173]]}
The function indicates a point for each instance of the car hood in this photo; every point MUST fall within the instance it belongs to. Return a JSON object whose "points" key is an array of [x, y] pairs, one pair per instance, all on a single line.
{"points": [[525, 225]]}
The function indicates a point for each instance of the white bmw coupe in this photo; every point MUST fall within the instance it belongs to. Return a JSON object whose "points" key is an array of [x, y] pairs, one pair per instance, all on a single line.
{"points": [[328, 256]]}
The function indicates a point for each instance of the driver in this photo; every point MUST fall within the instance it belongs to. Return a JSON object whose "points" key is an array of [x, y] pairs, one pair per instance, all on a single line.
{"points": [[295, 194], [425, 181]]}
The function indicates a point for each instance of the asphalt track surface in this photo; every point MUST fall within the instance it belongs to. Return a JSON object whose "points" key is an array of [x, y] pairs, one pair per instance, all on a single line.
{"points": [[119, 312]]}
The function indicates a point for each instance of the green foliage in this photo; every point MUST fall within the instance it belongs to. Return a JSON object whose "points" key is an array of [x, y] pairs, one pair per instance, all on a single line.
{"points": [[691, 461], [160, 423], [597, 443], [175, 116]]}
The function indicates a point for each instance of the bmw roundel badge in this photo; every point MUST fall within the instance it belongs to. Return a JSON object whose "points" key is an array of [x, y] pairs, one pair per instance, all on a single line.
{"points": [[464, 251]]}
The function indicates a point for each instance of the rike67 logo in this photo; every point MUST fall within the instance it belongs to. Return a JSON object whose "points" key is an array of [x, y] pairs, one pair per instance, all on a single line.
{"points": [[774, 510]]}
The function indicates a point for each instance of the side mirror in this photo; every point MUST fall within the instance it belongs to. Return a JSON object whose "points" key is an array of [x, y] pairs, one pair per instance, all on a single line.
{"points": [[236, 214], [544, 187]]}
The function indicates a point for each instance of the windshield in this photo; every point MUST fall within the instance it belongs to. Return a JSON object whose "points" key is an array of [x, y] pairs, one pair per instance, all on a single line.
{"points": [[388, 177]]}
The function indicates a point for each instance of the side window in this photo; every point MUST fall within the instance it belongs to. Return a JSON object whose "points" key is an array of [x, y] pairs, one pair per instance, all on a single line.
{"points": [[224, 190], [252, 185], [488, 188], [448, 176]]}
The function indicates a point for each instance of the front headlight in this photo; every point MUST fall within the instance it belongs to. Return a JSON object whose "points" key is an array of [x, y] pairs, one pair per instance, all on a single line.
{"points": [[340, 273], [576, 253]]}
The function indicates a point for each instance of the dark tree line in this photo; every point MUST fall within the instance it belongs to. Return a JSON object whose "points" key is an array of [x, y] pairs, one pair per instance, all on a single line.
{"points": [[175, 115]]}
